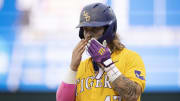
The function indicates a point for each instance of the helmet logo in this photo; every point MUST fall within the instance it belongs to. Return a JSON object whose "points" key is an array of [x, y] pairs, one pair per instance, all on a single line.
{"points": [[86, 16]]}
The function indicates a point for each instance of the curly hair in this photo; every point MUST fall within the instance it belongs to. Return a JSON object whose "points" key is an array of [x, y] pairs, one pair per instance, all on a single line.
{"points": [[116, 44]]}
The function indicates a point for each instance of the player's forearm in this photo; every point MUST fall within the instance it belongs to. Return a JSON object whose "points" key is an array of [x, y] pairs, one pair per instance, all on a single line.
{"points": [[126, 88]]}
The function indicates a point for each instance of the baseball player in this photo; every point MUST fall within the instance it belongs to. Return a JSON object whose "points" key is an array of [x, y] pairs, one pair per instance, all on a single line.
{"points": [[112, 73]]}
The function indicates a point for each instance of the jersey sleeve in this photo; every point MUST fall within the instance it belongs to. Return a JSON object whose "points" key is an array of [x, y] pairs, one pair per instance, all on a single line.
{"points": [[136, 70], [81, 70]]}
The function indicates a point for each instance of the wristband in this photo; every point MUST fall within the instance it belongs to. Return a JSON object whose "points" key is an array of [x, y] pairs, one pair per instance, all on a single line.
{"points": [[70, 77], [112, 72]]}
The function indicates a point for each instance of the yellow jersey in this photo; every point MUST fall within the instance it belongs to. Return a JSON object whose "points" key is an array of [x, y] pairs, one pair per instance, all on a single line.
{"points": [[129, 64]]}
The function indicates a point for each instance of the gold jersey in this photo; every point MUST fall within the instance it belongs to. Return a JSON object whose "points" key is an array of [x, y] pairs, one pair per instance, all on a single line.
{"points": [[129, 64]]}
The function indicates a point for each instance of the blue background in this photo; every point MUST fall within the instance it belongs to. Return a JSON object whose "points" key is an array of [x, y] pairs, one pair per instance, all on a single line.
{"points": [[162, 62]]}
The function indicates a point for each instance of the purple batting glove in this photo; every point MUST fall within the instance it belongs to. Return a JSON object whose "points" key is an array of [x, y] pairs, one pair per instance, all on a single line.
{"points": [[99, 53]]}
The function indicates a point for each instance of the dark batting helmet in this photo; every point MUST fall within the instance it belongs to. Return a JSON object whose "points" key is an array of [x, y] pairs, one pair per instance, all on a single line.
{"points": [[97, 15]]}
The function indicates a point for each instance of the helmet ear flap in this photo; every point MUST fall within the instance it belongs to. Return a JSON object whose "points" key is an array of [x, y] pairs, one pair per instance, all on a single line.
{"points": [[81, 33], [109, 32]]}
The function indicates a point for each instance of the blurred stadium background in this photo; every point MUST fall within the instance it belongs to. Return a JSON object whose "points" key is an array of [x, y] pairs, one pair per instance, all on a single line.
{"points": [[37, 38]]}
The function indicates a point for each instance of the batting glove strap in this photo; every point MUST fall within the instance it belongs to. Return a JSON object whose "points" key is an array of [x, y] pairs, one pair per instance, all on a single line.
{"points": [[112, 72], [108, 62]]}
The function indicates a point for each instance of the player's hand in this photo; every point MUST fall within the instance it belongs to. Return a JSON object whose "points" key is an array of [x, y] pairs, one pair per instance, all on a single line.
{"points": [[77, 54], [99, 53]]}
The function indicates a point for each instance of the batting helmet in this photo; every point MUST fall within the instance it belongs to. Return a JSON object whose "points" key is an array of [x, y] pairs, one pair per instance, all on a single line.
{"points": [[97, 15]]}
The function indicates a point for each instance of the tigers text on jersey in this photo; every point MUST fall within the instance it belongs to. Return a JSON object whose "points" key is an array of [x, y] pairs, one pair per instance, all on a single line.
{"points": [[129, 64]]}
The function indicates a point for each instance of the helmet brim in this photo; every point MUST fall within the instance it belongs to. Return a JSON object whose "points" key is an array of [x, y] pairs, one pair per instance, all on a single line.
{"points": [[92, 24]]}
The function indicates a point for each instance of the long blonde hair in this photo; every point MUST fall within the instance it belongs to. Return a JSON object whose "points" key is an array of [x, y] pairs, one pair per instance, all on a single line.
{"points": [[116, 44]]}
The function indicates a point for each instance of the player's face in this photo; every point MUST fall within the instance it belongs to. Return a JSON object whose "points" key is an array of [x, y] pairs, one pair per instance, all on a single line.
{"points": [[93, 32]]}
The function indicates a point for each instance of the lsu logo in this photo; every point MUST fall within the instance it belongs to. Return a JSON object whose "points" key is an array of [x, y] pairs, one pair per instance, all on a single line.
{"points": [[101, 51], [138, 75], [86, 16]]}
